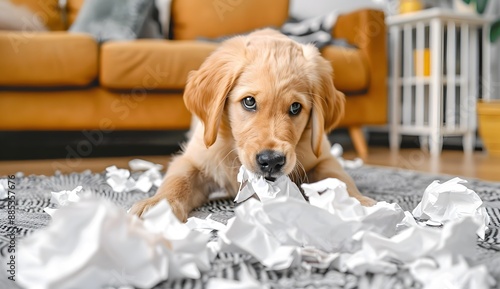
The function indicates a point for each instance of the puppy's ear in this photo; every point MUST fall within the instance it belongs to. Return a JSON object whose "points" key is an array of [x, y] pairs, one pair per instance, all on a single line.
{"points": [[327, 101], [207, 88]]}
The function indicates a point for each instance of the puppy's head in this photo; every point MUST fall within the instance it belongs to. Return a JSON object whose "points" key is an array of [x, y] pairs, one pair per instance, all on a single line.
{"points": [[266, 91]]}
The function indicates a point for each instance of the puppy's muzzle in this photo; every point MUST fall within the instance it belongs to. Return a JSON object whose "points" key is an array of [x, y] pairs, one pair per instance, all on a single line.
{"points": [[270, 163]]}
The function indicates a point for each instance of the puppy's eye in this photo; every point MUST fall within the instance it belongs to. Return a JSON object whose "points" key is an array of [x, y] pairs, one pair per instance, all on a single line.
{"points": [[295, 108], [249, 103]]}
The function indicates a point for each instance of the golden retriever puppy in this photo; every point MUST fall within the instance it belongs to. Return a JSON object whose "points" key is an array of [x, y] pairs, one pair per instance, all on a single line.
{"points": [[264, 101]]}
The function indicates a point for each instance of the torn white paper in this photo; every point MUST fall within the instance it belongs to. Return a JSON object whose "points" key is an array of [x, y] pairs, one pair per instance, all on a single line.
{"points": [[143, 165], [93, 243], [344, 234], [63, 198], [151, 177], [337, 151], [449, 272], [331, 195], [188, 254], [4, 188], [206, 225], [90, 244], [120, 180], [316, 258], [443, 202], [262, 229], [454, 239], [265, 190]]}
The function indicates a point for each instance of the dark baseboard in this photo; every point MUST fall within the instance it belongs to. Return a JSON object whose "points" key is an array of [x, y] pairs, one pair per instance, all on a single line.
{"points": [[30, 145]]}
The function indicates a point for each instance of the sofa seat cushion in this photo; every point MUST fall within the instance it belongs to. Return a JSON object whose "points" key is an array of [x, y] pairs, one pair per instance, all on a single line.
{"points": [[48, 59], [91, 108], [350, 69], [151, 64]]}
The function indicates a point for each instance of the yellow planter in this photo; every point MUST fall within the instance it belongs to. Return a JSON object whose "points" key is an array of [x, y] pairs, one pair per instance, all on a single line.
{"points": [[407, 6], [489, 125]]}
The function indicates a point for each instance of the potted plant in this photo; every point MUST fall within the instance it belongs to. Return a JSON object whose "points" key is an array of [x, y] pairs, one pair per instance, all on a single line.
{"points": [[488, 112], [480, 8]]}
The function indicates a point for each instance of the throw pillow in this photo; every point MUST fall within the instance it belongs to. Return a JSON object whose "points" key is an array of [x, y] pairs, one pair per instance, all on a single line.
{"points": [[112, 19]]}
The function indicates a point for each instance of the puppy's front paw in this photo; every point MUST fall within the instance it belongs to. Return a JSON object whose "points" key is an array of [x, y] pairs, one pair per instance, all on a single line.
{"points": [[141, 207], [367, 202]]}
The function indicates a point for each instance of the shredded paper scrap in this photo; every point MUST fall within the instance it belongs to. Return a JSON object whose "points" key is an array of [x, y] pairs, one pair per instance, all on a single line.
{"points": [[122, 181]]}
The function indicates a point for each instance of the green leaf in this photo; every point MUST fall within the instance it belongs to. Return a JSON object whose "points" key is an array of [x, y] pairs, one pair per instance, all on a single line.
{"points": [[481, 6], [495, 31], [467, 2]]}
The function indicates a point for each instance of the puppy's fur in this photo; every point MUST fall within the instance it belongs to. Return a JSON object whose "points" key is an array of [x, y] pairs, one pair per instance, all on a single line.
{"points": [[277, 72]]}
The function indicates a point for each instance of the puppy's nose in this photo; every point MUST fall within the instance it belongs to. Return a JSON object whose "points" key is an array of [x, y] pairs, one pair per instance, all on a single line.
{"points": [[270, 161]]}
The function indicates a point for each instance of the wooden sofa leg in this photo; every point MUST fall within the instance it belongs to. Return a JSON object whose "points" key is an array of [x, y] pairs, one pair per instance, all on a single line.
{"points": [[359, 141]]}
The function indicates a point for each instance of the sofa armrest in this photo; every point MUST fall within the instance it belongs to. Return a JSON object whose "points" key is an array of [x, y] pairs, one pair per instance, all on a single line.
{"points": [[367, 30]]}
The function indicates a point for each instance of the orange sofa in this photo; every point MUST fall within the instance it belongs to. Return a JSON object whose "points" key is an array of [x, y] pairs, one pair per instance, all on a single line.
{"points": [[61, 81]]}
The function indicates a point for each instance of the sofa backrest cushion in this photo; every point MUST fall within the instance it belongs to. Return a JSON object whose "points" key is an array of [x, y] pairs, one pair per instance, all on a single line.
{"points": [[215, 18], [50, 13], [72, 9], [47, 11]]}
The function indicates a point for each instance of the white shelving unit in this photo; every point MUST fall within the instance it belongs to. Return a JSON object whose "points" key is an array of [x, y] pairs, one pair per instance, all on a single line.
{"points": [[442, 102]]}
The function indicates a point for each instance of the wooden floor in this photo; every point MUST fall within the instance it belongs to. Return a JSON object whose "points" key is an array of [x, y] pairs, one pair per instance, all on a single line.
{"points": [[478, 165]]}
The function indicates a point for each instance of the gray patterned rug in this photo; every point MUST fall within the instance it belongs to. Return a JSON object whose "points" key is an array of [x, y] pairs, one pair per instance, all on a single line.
{"points": [[400, 186]]}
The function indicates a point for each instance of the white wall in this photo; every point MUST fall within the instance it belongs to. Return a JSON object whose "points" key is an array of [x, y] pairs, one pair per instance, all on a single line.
{"points": [[310, 8]]}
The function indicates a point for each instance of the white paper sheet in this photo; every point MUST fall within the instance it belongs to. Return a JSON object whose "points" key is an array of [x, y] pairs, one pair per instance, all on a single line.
{"points": [[315, 258], [331, 195], [63, 198], [265, 190], [121, 180], [206, 225], [189, 252], [448, 272], [337, 151], [443, 202], [97, 243], [93, 243], [4, 188], [143, 165], [456, 238], [262, 229], [151, 177], [346, 235]]}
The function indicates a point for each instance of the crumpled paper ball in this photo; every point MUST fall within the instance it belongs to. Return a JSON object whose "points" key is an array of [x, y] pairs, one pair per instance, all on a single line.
{"points": [[443, 202]]}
